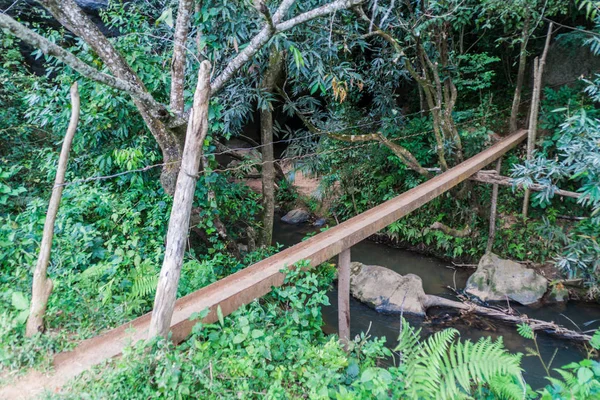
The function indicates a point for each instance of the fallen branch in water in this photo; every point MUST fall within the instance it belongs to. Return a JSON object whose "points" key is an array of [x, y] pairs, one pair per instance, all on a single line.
{"points": [[550, 328], [464, 265]]}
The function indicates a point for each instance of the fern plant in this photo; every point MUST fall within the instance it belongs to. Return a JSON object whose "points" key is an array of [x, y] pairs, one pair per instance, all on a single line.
{"points": [[443, 368], [145, 280]]}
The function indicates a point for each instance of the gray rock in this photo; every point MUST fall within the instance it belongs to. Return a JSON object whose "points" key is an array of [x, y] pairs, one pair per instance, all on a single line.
{"points": [[92, 5], [295, 217], [320, 222], [566, 64], [386, 290], [496, 279]]}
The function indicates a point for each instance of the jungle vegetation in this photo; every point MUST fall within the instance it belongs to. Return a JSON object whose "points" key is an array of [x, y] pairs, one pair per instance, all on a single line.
{"points": [[372, 97]]}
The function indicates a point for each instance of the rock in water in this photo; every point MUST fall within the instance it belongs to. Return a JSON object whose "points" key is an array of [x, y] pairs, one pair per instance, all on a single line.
{"points": [[295, 217], [386, 290], [496, 279], [92, 5], [320, 222]]}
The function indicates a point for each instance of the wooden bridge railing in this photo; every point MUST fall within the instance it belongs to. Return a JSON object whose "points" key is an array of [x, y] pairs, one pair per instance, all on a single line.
{"points": [[257, 280]]}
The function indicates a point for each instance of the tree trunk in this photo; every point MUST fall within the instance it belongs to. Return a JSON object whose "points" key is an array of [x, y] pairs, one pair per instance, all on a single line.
{"points": [[520, 76], [179, 221], [179, 52], [266, 132], [535, 109], [42, 286], [68, 13], [493, 208]]}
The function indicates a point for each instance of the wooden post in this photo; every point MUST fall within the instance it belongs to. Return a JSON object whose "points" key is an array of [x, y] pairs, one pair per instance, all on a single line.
{"points": [[42, 286], [179, 222], [493, 208], [535, 108], [344, 297]]}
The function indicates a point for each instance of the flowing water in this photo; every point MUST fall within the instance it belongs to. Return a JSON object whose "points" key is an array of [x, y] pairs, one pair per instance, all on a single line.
{"points": [[437, 276]]}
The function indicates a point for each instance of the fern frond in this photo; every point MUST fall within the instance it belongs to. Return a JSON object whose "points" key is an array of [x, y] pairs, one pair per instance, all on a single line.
{"points": [[143, 285], [443, 368], [408, 341], [94, 271], [525, 331], [504, 387]]}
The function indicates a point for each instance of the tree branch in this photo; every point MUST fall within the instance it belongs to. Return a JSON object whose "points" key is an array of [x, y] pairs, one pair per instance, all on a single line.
{"points": [[400, 151], [178, 62], [316, 13], [263, 37], [68, 13], [496, 179], [52, 49]]}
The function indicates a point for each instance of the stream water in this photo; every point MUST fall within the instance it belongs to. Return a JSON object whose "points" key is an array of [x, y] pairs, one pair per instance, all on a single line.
{"points": [[437, 276]]}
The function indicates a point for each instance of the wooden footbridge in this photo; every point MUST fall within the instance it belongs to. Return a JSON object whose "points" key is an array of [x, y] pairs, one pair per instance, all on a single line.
{"points": [[257, 280]]}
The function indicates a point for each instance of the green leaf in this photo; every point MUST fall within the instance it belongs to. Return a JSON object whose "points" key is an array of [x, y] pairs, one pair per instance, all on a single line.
{"points": [[239, 338], [584, 375], [220, 316], [22, 316], [525, 331], [19, 301], [256, 333], [166, 17], [595, 341], [371, 373]]}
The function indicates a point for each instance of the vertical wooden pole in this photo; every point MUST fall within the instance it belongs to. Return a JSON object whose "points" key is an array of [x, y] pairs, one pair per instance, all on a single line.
{"points": [[42, 286], [179, 221], [344, 297], [493, 208], [535, 109]]}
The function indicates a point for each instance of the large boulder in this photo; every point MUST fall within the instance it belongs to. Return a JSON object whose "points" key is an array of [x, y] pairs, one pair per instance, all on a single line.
{"points": [[295, 217], [497, 279], [386, 290]]}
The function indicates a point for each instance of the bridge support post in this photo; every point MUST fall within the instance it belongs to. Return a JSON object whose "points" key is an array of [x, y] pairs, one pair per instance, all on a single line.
{"points": [[344, 297]]}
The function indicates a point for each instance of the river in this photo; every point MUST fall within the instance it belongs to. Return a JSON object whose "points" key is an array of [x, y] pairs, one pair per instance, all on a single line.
{"points": [[437, 276]]}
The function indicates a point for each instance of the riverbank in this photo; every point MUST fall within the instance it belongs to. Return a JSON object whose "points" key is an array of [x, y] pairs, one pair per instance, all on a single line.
{"points": [[438, 277]]}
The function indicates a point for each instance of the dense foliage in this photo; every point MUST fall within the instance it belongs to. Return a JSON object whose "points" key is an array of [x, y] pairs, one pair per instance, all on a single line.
{"points": [[434, 79]]}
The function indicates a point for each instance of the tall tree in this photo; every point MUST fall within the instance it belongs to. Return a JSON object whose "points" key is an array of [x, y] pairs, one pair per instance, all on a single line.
{"points": [[165, 122], [268, 160]]}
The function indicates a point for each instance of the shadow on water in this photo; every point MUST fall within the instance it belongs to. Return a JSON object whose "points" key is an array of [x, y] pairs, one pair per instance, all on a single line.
{"points": [[437, 276]]}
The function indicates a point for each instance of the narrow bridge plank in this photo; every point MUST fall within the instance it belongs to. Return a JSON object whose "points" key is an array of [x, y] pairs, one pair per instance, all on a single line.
{"points": [[255, 281]]}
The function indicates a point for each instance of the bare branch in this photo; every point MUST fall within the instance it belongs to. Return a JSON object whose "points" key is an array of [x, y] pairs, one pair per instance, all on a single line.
{"points": [[282, 10], [263, 37], [262, 8], [52, 49], [267, 33], [497, 179], [42, 286], [317, 12], [178, 62], [68, 13]]}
